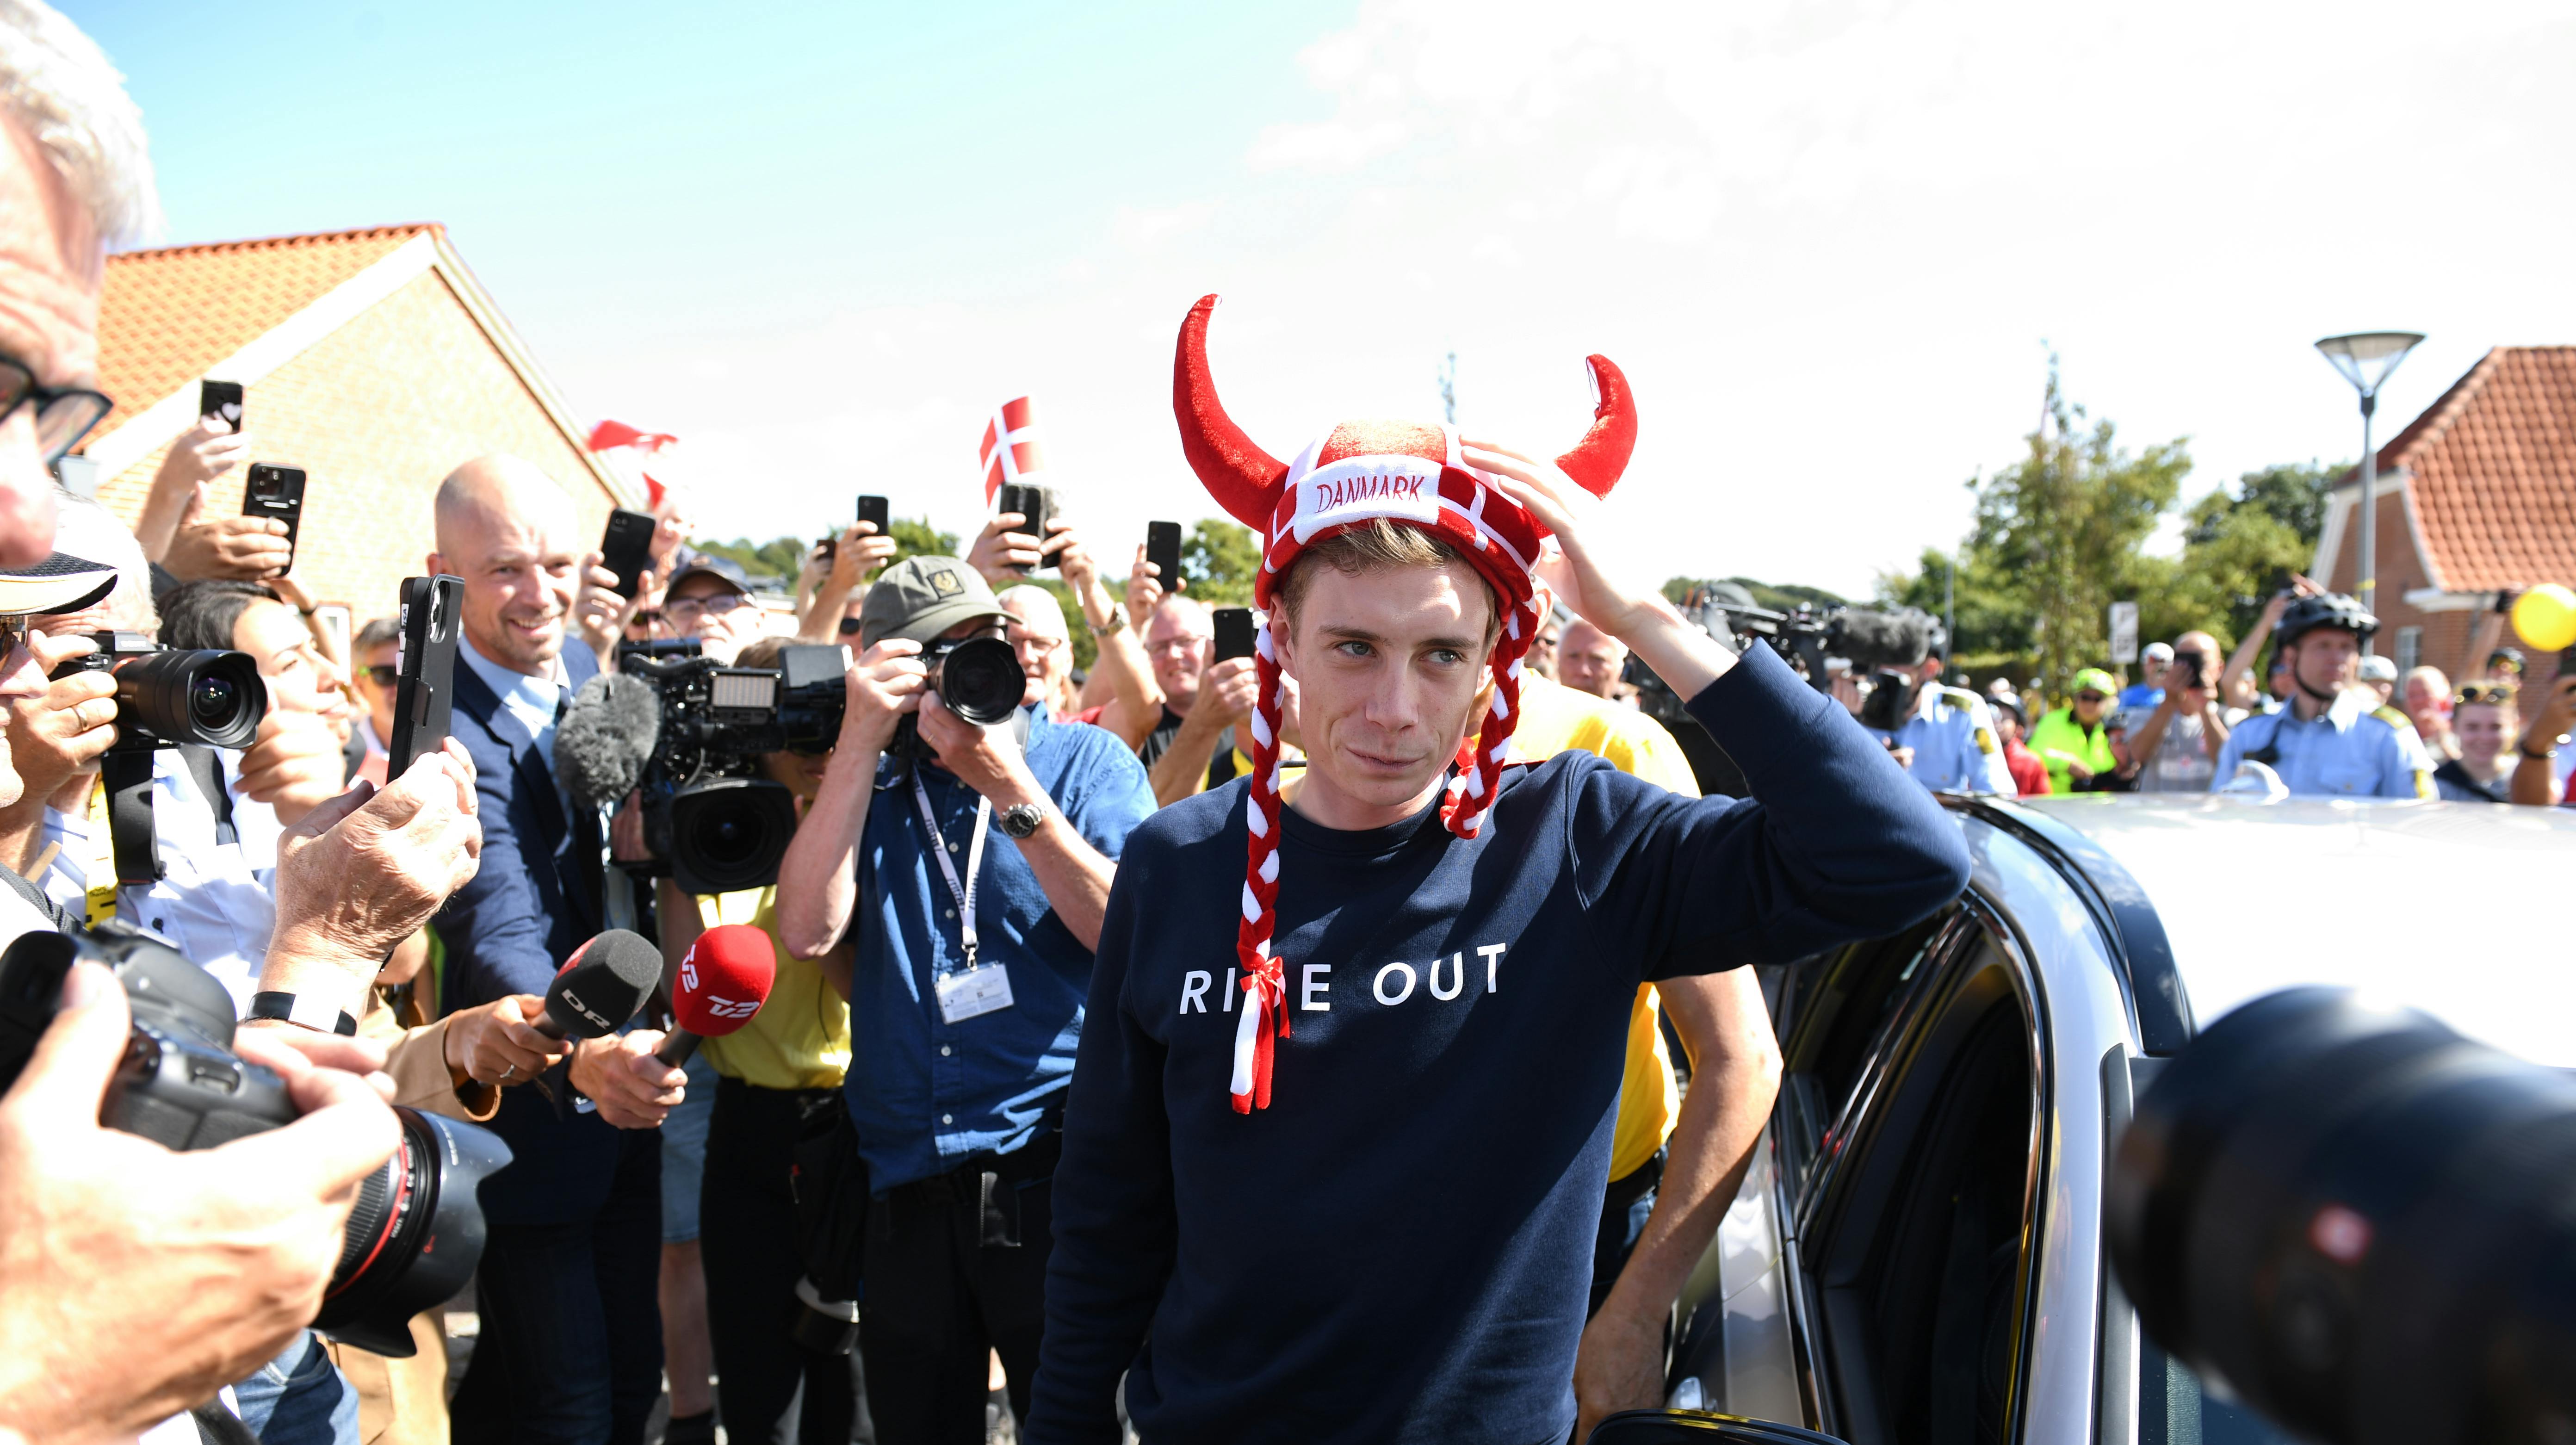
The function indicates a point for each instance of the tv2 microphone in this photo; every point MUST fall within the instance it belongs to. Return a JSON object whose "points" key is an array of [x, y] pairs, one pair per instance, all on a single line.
{"points": [[723, 982], [601, 986]]}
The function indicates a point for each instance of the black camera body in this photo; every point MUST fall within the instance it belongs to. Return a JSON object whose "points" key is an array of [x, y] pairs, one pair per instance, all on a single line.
{"points": [[1889, 702], [416, 1231], [708, 812], [979, 678], [167, 697]]}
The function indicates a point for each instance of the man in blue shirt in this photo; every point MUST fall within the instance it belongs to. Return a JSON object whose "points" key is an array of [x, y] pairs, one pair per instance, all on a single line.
{"points": [[971, 866]]}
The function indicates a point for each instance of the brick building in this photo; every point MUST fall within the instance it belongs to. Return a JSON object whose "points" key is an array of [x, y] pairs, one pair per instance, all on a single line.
{"points": [[2477, 495], [372, 359]]}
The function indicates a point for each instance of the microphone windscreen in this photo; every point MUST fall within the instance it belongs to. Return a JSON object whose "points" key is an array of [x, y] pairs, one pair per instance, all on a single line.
{"points": [[603, 984], [724, 980], [1880, 639], [606, 737]]}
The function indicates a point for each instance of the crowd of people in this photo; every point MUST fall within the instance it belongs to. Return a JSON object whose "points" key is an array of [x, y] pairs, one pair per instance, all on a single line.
{"points": [[1484, 1101]]}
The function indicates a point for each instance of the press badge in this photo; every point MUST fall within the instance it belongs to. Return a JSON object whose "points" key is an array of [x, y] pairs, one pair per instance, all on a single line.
{"points": [[973, 992]]}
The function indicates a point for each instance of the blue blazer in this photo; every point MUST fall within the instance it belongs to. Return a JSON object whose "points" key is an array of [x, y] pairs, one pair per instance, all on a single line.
{"points": [[508, 931]]}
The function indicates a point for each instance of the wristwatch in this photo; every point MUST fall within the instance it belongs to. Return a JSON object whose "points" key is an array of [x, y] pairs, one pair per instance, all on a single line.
{"points": [[1021, 819], [1117, 620]]}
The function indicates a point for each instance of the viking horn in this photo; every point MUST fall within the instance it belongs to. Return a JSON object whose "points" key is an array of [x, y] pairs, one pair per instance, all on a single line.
{"points": [[1598, 459], [1244, 479]]}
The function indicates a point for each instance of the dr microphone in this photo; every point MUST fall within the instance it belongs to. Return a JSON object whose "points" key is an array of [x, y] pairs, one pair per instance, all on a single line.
{"points": [[601, 986], [723, 982]]}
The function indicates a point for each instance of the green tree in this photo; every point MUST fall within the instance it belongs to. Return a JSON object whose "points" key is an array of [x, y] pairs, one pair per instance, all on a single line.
{"points": [[1220, 560], [783, 557]]}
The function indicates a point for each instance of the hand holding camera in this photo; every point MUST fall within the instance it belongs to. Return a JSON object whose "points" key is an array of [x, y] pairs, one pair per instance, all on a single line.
{"points": [[884, 684], [70, 725], [984, 757]]}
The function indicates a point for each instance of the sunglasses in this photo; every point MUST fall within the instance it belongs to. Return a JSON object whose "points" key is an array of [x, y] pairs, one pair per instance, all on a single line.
{"points": [[63, 414], [2090, 697], [383, 676], [2475, 694]]}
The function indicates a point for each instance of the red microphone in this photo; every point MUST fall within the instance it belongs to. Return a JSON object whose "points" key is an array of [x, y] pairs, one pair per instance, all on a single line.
{"points": [[723, 982]]}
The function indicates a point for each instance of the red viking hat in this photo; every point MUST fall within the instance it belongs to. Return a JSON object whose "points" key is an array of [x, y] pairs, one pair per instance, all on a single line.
{"points": [[1356, 473]]}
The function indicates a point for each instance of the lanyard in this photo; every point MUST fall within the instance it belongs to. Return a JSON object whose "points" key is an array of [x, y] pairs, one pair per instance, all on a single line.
{"points": [[98, 866], [964, 893]]}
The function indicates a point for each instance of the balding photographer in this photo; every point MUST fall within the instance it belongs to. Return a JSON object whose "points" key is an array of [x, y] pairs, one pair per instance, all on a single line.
{"points": [[967, 863]]}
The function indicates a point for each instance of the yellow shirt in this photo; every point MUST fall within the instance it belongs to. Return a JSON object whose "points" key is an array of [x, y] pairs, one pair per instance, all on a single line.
{"points": [[800, 1039], [1554, 718]]}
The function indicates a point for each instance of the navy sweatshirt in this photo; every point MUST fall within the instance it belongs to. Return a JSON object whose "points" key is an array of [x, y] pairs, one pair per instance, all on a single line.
{"points": [[1398, 1248]]}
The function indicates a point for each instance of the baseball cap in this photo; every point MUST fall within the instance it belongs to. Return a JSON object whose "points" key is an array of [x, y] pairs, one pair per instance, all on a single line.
{"points": [[2159, 652], [60, 583], [2378, 667], [2094, 679], [919, 598], [708, 564]]}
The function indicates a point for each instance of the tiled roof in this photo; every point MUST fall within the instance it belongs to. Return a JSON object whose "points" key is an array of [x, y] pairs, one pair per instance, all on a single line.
{"points": [[2493, 465], [165, 316]]}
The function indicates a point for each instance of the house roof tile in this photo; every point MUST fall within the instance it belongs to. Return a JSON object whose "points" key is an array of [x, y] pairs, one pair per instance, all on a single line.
{"points": [[166, 316], [2493, 468]]}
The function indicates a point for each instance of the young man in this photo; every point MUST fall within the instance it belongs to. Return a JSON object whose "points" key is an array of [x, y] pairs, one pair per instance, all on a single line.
{"points": [[1379, 1224], [2334, 739]]}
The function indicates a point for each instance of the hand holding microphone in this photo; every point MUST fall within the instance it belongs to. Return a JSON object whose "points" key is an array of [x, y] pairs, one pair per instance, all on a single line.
{"points": [[723, 981]]}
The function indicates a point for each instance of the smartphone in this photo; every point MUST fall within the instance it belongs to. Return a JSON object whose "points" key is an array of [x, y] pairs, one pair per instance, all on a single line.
{"points": [[1233, 633], [2184, 674], [627, 549], [223, 399], [873, 510], [1163, 549], [1036, 506], [424, 667], [275, 491]]}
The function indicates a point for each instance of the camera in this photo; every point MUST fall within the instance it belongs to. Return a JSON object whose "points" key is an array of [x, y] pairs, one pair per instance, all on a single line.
{"points": [[1887, 699], [2358, 1221], [979, 678], [707, 810], [417, 1230], [169, 697], [2185, 671]]}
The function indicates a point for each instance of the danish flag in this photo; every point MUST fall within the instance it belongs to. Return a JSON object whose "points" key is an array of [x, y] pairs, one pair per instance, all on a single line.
{"points": [[643, 447], [1012, 451]]}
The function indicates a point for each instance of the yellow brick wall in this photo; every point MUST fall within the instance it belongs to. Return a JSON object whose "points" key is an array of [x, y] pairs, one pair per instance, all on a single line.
{"points": [[376, 413]]}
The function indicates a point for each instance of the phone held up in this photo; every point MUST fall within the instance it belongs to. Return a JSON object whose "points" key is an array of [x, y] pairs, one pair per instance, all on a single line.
{"points": [[872, 510], [1233, 632], [627, 549], [428, 626], [1163, 549], [1036, 506], [223, 399], [275, 491]]}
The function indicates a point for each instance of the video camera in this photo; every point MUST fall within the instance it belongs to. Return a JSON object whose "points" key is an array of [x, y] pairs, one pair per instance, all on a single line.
{"points": [[417, 1230], [166, 697], [720, 825]]}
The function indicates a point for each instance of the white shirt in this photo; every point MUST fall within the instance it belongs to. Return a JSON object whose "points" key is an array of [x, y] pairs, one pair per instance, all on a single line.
{"points": [[531, 700], [214, 902]]}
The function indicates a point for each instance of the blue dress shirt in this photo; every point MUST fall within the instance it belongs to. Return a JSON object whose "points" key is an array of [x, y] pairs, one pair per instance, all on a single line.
{"points": [[926, 1094]]}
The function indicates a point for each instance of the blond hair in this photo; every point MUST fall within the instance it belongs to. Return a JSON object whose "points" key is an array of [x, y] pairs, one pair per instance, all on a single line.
{"points": [[1369, 546]]}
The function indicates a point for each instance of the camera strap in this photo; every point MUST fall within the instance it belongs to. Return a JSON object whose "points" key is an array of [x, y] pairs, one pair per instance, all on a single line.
{"points": [[128, 779], [964, 892]]}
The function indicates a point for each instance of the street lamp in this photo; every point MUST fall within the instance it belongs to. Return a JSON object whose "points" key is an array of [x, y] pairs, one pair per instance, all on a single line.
{"points": [[2366, 358]]}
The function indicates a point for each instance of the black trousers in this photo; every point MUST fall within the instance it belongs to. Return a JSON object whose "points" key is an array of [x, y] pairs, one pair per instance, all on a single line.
{"points": [[768, 1390], [956, 1268], [570, 1347]]}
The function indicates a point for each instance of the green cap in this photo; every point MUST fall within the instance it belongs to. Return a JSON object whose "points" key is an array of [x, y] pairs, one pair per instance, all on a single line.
{"points": [[921, 597], [2094, 679]]}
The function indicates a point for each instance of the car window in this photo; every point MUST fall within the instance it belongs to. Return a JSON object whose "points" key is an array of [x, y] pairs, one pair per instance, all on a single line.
{"points": [[2173, 1409], [1920, 1250], [1833, 1015]]}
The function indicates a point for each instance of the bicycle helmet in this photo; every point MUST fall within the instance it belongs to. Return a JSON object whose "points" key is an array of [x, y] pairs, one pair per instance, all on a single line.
{"points": [[2332, 609]]}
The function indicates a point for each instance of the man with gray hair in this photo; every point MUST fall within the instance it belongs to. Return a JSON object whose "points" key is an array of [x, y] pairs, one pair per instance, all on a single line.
{"points": [[136, 1282]]}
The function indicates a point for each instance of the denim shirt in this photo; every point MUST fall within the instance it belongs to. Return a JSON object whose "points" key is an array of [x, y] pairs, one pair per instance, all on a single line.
{"points": [[926, 1094]]}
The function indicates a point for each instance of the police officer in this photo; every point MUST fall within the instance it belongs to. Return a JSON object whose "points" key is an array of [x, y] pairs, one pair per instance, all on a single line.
{"points": [[2333, 739], [1951, 733]]}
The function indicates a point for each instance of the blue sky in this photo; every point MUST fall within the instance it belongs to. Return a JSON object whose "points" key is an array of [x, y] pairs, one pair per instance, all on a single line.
{"points": [[1830, 240]]}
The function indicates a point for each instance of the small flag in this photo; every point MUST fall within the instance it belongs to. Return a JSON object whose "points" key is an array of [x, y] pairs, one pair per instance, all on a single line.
{"points": [[1011, 451], [646, 446]]}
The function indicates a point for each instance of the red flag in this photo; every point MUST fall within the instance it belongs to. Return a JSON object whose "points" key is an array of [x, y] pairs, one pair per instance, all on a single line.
{"points": [[610, 435], [1011, 451]]}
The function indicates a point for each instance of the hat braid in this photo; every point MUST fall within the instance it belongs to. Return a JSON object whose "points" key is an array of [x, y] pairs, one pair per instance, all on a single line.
{"points": [[1265, 1014], [1471, 793]]}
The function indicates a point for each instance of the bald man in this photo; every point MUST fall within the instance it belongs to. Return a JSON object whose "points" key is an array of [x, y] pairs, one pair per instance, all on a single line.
{"points": [[1044, 645], [571, 1343], [2172, 746], [1589, 660]]}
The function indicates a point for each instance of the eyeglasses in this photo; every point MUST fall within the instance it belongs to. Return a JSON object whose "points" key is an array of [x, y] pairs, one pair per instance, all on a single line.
{"points": [[2090, 697], [382, 676], [688, 609], [63, 414], [2498, 694], [1046, 646]]}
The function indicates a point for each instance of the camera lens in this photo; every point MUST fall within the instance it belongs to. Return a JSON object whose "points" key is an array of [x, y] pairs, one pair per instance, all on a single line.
{"points": [[209, 697], [981, 680], [2357, 1219], [212, 702], [729, 834], [415, 1234]]}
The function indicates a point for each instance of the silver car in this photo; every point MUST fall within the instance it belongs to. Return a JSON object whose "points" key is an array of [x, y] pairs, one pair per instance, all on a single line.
{"points": [[1917, 1256]]}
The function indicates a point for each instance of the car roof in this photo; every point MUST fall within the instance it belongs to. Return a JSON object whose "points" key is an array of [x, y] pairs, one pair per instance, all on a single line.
{"points": [[2418, 903]]}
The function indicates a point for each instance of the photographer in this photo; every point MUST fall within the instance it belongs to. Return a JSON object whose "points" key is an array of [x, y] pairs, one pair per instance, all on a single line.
{"points": [[2172, 744], [966, 1006], [783, 1067]]}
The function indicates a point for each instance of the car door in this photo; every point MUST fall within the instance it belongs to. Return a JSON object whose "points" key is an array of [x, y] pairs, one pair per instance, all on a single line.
{"points": [[1913, 1221]]}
